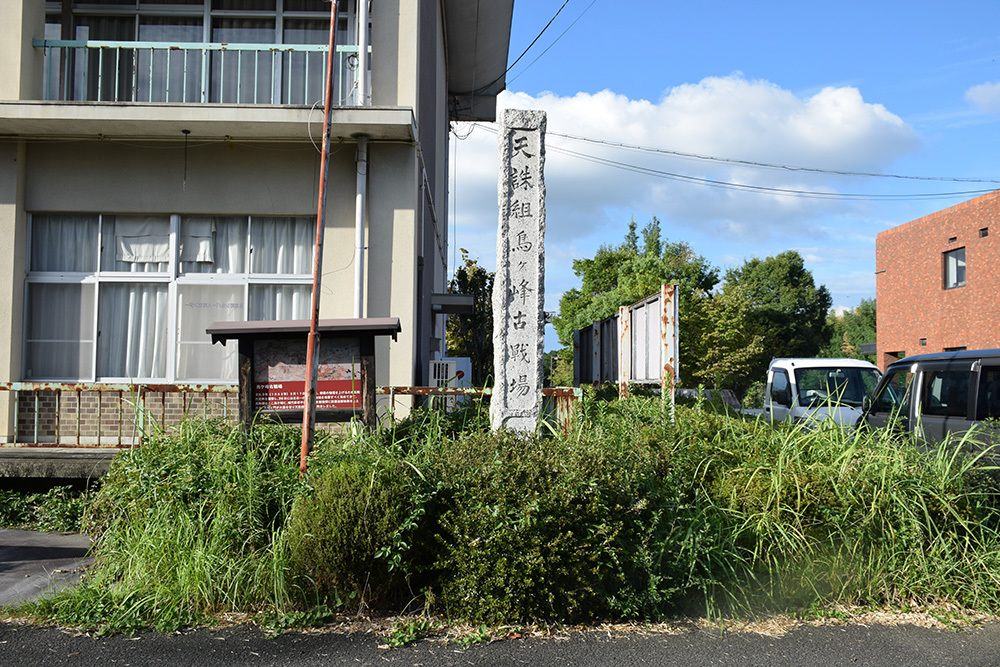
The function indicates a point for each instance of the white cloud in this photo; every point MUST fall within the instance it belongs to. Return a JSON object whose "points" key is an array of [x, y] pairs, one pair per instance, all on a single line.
{"points": [[730, 117], [985, 97]]}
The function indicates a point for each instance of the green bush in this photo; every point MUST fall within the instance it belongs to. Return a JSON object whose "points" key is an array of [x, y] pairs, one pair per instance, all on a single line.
{"points": [[59, 509], [341, 531], [630, 515]]}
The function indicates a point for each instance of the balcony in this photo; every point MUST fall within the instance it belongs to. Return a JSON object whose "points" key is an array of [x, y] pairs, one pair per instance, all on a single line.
{"points": [[196, 73]]}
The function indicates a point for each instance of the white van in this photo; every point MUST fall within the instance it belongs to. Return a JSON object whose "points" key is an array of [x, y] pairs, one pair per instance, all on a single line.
{"points": [[815, 390]]}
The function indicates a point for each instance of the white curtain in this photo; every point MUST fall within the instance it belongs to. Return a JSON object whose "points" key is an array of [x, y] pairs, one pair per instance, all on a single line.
{"points": [[64, 243], [135, 243], [279, 302], [282, 245], [213, 244], [132, 330]]}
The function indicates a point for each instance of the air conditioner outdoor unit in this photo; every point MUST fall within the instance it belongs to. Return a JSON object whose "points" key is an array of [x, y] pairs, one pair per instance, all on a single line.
{"points": [[444, 374]]}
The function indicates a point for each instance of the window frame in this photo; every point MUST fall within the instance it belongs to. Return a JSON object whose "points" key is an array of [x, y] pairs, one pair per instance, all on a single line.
{"points": [[954, 265], [173, 278]]}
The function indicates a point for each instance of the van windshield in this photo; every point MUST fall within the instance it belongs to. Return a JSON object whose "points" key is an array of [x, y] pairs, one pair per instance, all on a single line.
{"points": [[895, 395], [835, 385]]}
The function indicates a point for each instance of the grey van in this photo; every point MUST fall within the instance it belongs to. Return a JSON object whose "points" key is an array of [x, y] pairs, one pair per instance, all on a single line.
{"points": [[931, 395]]}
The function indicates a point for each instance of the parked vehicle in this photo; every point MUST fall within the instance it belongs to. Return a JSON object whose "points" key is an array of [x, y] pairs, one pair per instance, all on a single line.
{"points": [[932, 395], [815, 390]]}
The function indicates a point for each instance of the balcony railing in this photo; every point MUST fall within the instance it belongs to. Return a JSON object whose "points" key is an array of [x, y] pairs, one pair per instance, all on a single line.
{"points": [[195, 72]]}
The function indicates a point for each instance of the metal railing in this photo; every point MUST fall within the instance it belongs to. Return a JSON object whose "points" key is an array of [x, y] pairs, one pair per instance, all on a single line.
{"points": [[96, 414], [195, 72], [564, 400]]}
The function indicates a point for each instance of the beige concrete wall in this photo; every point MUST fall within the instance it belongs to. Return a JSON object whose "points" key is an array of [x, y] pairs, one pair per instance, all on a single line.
{"points": [[279, 179], [124, 176], [395, 52], [12, 235], [20, 62], [392, 243]]}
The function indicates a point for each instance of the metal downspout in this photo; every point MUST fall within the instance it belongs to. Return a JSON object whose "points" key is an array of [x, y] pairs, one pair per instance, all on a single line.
{"points": [[360, 205], [361, 193]]}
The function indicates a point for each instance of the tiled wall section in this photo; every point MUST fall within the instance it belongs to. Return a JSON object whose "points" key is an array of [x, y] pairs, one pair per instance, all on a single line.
{"points": [[110, 419], [916, 314]]}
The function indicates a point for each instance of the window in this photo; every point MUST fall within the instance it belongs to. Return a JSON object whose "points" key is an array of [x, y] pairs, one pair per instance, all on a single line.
{"points": [[188, 74], [126, 297], [954, 268], [779, 388], [988, 402], [833, 385], [945, 393], [894, 399]]}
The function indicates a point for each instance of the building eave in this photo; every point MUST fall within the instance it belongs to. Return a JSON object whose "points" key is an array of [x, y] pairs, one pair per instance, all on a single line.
{"points": [[478, 40], [29, 119]]}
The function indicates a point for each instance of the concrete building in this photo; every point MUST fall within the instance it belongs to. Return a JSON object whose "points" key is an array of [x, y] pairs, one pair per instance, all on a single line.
{"points": [[937, 281], [159, 171]]}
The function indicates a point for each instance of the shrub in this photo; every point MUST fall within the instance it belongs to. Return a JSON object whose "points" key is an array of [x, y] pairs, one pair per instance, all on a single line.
{"points": [[341, 530], [59, 509]]}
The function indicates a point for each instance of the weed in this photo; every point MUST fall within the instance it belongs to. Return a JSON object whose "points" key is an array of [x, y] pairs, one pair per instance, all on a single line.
{"points": [[480, 635], [408, 631], [627, 516], [274, 623]]}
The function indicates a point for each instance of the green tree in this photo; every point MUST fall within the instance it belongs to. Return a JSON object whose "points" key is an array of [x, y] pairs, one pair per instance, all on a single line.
{"points": [[783, 306], [727, 350], [850, 329], [622, 275], [472, 335]]}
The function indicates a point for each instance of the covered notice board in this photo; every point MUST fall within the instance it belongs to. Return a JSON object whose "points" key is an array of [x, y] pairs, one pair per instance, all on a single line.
{"points": [[272, 367]]}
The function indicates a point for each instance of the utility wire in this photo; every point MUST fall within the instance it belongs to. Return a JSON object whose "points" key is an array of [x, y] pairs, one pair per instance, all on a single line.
{"points": [[769, 165], [550, 45], [729, 185], [483, 89]]}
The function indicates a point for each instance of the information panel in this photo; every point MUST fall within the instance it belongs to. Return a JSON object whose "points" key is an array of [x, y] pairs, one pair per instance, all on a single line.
{"points": [[280, 370]]}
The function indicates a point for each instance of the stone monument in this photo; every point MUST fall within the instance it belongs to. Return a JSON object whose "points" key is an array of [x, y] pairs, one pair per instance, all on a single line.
{"points": [[518, 288]]}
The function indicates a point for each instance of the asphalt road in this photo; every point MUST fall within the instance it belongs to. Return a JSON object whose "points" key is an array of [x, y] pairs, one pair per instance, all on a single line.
{"points": [[853, 645], [32, 564]]}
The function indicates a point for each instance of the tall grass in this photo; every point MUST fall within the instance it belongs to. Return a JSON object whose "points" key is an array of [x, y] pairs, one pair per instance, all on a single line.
{"points": [[188, 526], [627, 515]]}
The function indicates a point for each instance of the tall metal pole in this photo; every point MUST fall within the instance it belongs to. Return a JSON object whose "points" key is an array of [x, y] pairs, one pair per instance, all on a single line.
{"points": [[312, 361]]}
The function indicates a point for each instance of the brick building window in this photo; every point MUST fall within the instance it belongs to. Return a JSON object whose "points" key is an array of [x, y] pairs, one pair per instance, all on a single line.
{"points": [[954, 268]]}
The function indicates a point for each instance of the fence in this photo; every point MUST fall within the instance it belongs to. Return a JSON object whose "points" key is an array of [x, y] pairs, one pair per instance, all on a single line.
{"points": [[54, 414], [195, 72]]}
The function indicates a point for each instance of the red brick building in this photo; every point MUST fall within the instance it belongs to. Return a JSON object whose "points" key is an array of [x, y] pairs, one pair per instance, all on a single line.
{"points": [[938, 281]]}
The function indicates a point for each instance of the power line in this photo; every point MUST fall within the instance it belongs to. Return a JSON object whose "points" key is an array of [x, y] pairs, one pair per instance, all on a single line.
{"points": [[550, 45], [769, 165], [729, 185], [482, 89], [791, 192]]}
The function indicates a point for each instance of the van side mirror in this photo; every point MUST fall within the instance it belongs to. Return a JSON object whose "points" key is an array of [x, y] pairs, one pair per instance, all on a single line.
{"points": [[866, 403], [781, 397]]}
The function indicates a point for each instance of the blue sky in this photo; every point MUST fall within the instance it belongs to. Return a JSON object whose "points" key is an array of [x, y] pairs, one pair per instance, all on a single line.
{"points": [[900, 88]]}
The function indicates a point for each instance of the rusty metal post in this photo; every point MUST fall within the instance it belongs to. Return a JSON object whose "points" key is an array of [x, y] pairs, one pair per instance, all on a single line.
{"points": [[624, 350], [309, 410], [669, 318]]}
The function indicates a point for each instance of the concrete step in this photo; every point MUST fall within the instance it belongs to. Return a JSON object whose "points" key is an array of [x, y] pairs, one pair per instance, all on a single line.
{"points": [[55, 462]]}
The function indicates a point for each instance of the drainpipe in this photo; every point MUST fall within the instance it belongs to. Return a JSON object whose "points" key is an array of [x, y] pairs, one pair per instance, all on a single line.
{"points": [[362, 78], [360, 204]]}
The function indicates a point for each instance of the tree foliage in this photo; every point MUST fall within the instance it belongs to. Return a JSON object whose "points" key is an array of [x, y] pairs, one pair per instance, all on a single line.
{"points": [[472, 335], [765, 308], [784, 307], [850, 329], [622, 275]]}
